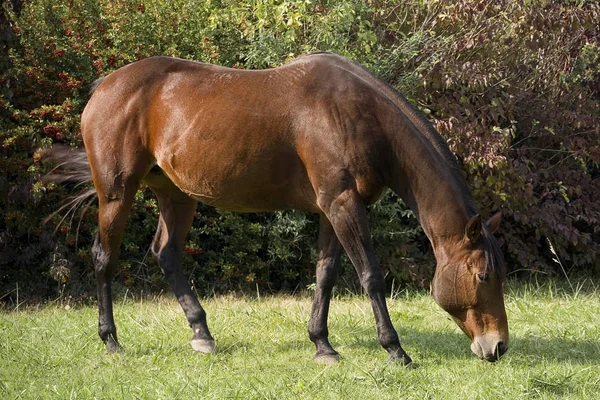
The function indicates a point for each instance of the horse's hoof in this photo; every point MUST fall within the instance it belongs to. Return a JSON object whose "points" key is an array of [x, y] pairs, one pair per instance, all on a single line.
{"points": [[113, 347], [327, 359], [402, 359], [205, 346]]}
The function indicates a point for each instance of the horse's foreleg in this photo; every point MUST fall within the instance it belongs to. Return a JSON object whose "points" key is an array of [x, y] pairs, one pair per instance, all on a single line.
{"points": [[327, 266], [347, 213], [176, 217]]}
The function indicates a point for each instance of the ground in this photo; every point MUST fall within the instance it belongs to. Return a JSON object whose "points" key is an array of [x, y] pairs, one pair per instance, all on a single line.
{"points": [[263, 351]]}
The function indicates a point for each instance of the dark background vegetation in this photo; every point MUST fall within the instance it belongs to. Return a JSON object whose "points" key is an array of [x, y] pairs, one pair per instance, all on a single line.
{"points": [[514, 86]]}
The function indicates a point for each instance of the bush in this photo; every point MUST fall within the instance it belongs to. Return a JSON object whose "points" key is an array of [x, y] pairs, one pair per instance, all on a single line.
{"points": [[513, 86]]}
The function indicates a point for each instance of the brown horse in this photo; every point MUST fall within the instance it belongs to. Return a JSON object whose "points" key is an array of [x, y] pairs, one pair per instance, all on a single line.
{"points": [[320, 134]]}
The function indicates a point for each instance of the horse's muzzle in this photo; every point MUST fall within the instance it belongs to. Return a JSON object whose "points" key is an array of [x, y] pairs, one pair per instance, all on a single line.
{"points": [[489, 347]]}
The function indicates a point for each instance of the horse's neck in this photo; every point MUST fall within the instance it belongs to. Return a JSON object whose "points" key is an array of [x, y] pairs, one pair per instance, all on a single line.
{"points": [[425, 180], [425, 173], [439, 210]]}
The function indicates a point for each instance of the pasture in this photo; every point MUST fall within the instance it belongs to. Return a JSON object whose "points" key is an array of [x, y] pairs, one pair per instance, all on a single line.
{"points": [[53, 351]]}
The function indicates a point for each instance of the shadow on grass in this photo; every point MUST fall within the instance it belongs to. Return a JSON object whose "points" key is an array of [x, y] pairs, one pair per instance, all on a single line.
{"points": [[452, 345], [234, 347], [227, 347], [421, 345]]}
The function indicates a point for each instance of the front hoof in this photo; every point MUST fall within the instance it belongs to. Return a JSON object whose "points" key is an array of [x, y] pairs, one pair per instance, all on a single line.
{"points": [[205, 346], [113, 347], [327, 359], [402, 359]]}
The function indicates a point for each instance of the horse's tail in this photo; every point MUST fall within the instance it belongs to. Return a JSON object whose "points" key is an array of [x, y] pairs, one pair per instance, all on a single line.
{"points": [[95, 85], [71, 166]]}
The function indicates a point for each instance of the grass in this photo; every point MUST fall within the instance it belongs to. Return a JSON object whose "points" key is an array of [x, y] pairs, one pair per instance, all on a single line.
{"points": [[264, 352]]}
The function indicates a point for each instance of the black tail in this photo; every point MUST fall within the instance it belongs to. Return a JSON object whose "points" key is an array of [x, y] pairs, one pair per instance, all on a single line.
{"points": [[71, 166]]}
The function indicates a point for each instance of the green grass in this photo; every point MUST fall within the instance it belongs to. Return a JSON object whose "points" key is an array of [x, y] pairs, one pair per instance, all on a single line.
{"points": [[264, 352]]}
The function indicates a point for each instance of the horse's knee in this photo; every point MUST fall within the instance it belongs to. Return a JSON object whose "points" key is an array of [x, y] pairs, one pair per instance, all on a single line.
{"points": [[165, 257], [372, 282], [164, 251]]}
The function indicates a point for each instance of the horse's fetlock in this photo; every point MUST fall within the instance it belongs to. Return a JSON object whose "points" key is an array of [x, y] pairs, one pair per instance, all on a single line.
{"points": [[107, 332], [316, 333], [389, 340]]}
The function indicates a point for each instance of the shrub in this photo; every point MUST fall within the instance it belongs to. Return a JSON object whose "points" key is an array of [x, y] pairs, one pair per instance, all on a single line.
{"points": [[513, 86], [514, 89]]}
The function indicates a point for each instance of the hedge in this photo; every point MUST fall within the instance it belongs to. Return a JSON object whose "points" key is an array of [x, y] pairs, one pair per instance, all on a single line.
{"points": [[513, 86]]}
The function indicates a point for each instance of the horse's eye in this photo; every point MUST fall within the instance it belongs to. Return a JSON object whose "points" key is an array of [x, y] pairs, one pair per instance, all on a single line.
{"points": [[483, 277]]}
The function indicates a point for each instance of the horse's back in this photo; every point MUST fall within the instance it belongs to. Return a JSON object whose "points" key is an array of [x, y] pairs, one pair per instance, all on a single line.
{"points": [[243, 140]]}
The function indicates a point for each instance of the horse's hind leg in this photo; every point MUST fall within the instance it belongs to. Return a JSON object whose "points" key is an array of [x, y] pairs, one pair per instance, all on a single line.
{"points": [[327, 266], [176, 216], [114, 203]]}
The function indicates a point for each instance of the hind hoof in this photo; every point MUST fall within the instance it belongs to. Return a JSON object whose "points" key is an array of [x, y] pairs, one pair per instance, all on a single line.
{"points": [[205, 346], [327, 359]]}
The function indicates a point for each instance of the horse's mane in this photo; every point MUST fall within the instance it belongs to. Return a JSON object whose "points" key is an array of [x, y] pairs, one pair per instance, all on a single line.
{"points": [[493, 254]]}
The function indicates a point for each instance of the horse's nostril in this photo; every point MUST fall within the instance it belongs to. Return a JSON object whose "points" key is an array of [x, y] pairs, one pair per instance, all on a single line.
{"points": [[501, 348]]}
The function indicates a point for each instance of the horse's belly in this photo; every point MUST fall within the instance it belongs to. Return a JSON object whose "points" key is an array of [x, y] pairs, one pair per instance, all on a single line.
{"points": [[265, 202], [261, 197], [242, 182]]}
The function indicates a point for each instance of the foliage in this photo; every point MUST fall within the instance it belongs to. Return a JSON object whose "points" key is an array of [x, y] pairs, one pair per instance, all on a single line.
{"points": [[513, 86], [515, 91]]}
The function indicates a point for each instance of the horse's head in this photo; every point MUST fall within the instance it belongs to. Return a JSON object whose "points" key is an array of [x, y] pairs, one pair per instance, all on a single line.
{"points": [[468, 285]]}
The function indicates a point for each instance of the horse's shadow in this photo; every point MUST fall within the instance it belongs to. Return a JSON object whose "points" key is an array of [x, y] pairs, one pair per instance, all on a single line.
{"points": [[439, 344], [455, 345], [420, 344]]}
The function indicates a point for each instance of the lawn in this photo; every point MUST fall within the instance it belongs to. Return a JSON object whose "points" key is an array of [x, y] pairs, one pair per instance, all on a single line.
{"points": [[53, 351]]}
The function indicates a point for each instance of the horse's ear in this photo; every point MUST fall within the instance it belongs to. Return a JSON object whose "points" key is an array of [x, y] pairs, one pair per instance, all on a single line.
{"points": [[494, 222], [473, 229]]}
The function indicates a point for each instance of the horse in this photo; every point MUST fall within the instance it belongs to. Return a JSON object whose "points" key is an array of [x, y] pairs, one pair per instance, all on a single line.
{"points": [[320, 134]]}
